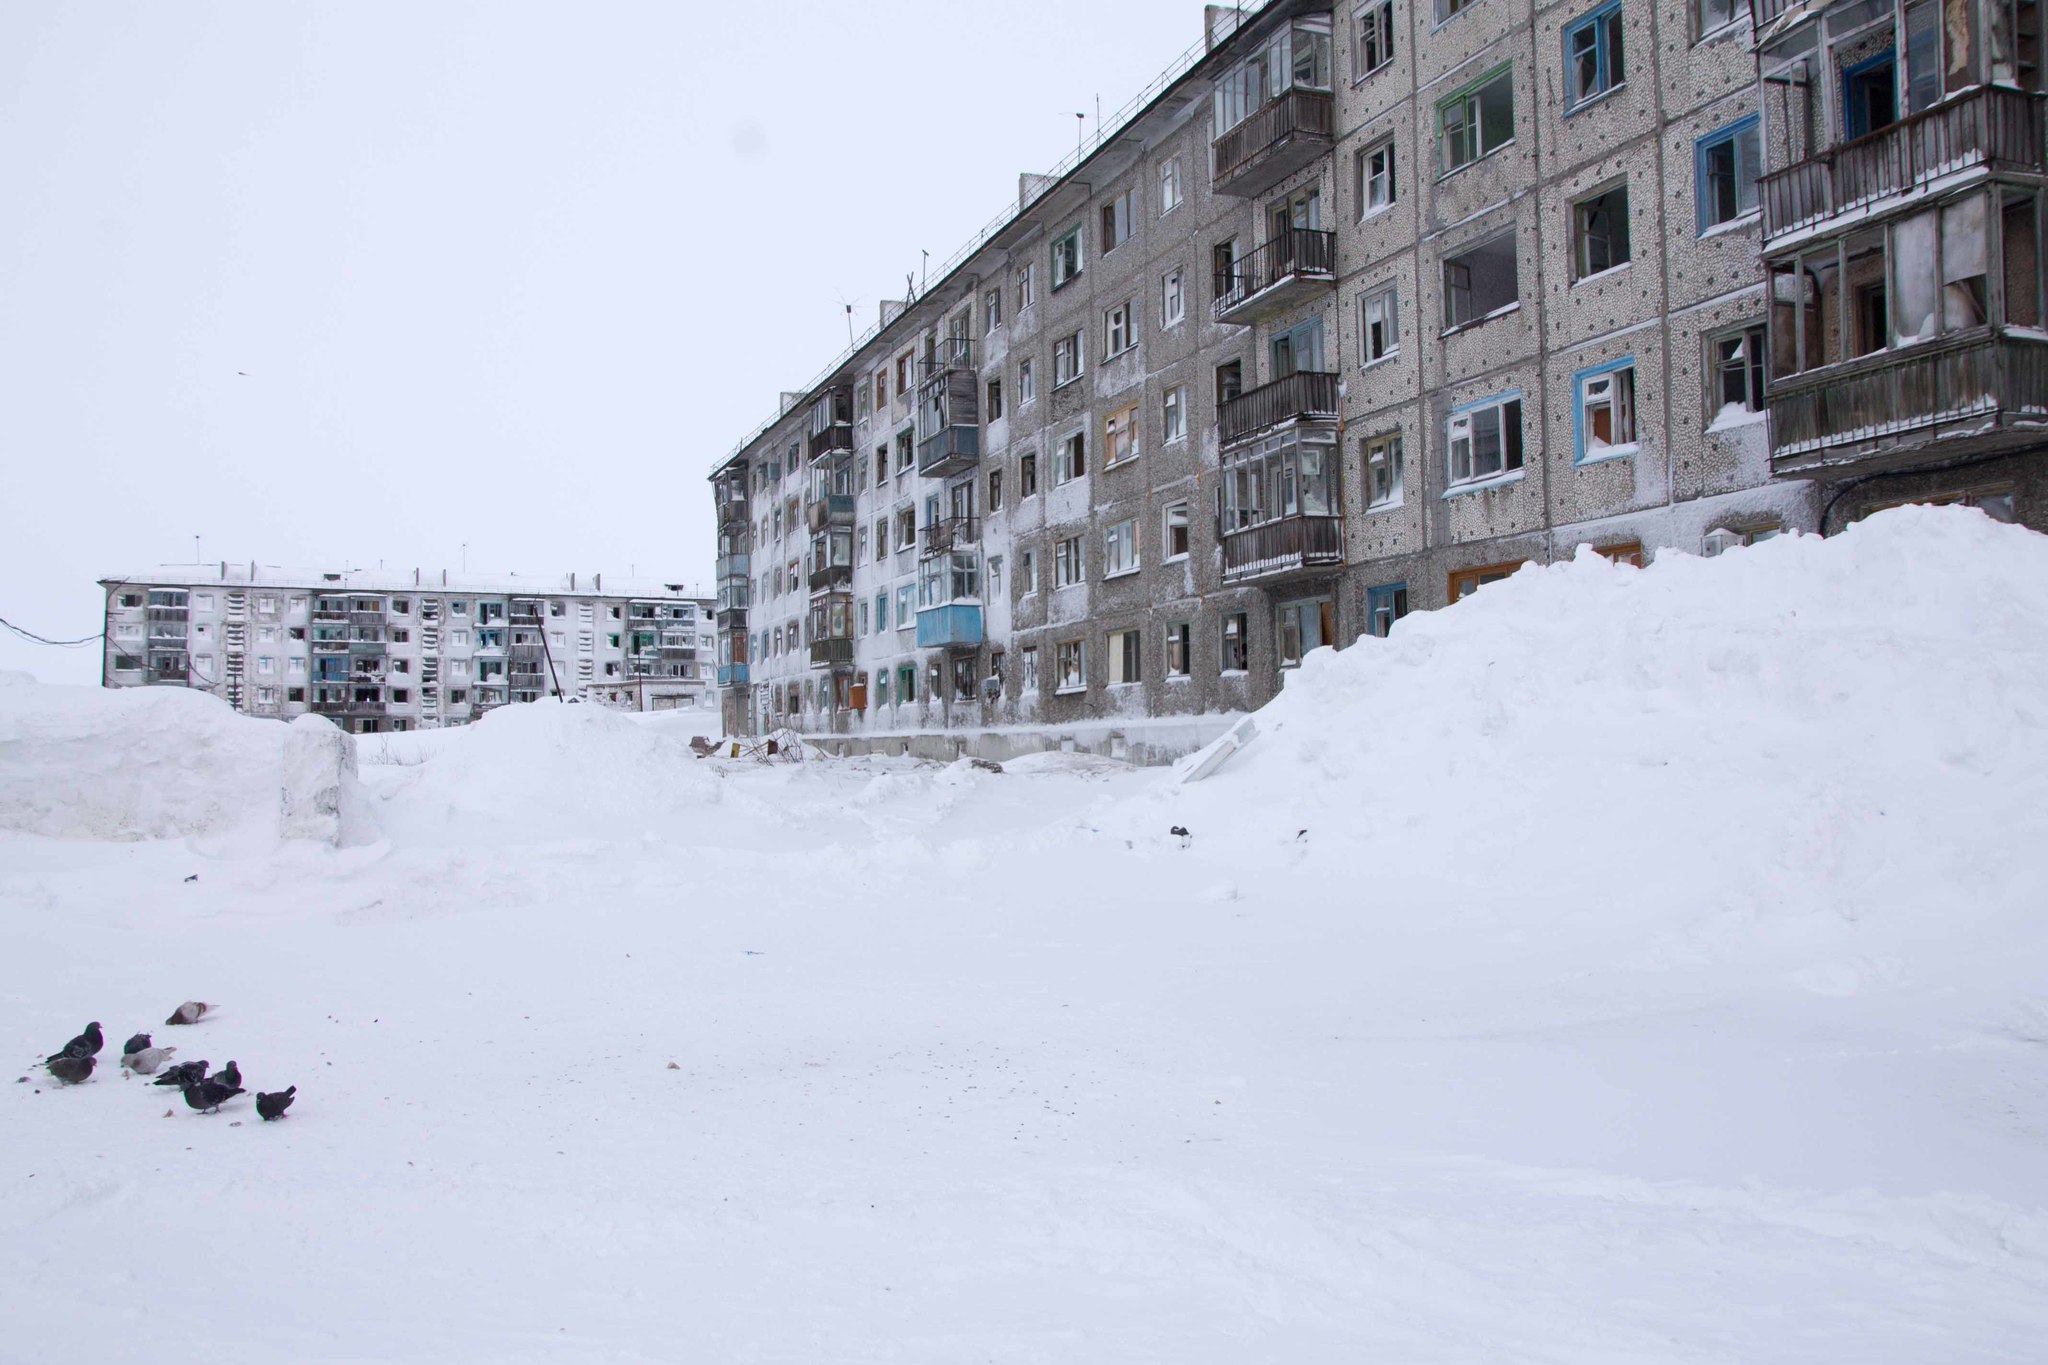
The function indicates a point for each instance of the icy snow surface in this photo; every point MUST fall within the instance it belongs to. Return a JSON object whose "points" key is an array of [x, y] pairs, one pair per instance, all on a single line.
{"points": [[1620, 966]]}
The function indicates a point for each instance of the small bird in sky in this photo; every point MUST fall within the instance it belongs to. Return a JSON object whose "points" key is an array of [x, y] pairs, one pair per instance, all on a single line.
{"points": [[273, 1105]]}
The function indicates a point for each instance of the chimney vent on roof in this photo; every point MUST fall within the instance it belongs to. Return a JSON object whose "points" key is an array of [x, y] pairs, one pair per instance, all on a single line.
{"points": [[1219, 22]]}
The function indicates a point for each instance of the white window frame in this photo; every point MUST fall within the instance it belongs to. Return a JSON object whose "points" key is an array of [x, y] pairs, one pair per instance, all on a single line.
{"points": [[1174, 515], [1372, 46], [1070, 458], [1169, 185], [1067, 356], [1120, 549], [1378, 179], [1463, 433], [1119, 330], [1126, 657], [1069, 562], [1068, 265], [1608, 388], [1379, 323], [1173, 410], [1173, 297], [1381, 458], [1070, 665]]}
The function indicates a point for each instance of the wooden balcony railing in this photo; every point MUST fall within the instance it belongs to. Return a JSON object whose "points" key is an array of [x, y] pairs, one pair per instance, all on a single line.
{"points": [[1282, 546], [1281, 136], [1896, 394], [832, 653], [1303, 394], [1295, 254], [1991, 126]]}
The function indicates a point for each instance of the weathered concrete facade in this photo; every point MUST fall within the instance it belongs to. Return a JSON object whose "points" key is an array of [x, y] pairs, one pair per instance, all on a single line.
{"points": [[1363, 308]]}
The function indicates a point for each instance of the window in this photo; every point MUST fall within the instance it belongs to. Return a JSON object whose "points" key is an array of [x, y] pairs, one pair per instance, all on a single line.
{"points": [[1120, 436], [1480, 281], [1229, 381], [881, 539], [1118, 333], [1124, 652], [1304, 625], [1173, 298], [1169, 185], [1070, 658], [1173, 535], [1385, 605], [1066, 257], [1465, 582], [1066, 360], [1722, 539], [1379, 323], [906, 456], [266, 664], [1120, 549], [992, 407], [1446, 8], [1737, 362], [1027, 670], [1600, 232], [1066, 563], [1483, 440], [881, 388], [1179, 650], [1604, 421], [1027, 382], [1477, 121], [1381, 456], [906, 608], [1116, 224], [902, 377], [995, 490], [995, 576], [1027, 572], [1027, 475], [1069, 459], [881, 612], [906, 531], [1711, 16], [1027, 285], [1725, 166], [1375, 37], [991, 311], [1375, 170], [1592, 55], [131, 599], [1173, 414], [1237, 650], [299, 694]]}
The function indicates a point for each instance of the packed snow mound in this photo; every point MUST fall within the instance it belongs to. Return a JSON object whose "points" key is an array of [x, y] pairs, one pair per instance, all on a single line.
{"points": [[574, 770], [127, 764]]}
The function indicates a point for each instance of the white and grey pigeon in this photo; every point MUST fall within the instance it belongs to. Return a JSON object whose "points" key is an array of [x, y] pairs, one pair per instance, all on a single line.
{"points": [[146, 1062]]}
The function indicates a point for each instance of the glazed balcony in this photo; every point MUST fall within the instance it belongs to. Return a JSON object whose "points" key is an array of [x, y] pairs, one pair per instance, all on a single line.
{"points": [[732, 675], [955, 625], [832, 653], [731, 618], [834, 509], [1966, 395], [729, 567], [732, 506], [830, 576], [1991, 128], [1279, 138], [942, 537], [1281, 275], [1305, 395], [1279, 549]]}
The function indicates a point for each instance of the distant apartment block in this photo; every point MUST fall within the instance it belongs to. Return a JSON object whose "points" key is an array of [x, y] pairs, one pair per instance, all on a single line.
{"points": [[382, 652], [1359, 308]]}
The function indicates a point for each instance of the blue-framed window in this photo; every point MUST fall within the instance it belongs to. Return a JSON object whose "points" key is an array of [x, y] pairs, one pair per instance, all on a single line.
{"points": [[1604, 411], [1385, 605], [1483, 441], [1870, 95], [881, 611], [1592, 55], [1726, 163]]}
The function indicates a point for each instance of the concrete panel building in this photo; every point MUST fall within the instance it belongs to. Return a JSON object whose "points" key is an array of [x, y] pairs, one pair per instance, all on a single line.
{"points": [[1353, 311], [385, 652]]}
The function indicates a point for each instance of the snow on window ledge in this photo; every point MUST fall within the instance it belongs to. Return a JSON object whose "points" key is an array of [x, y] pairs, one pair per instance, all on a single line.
{"points": [[1391, 504], [1602, 454], [1482, 485], [1601, 274], [1121, 573], [1736, 224], [1734, 415]]}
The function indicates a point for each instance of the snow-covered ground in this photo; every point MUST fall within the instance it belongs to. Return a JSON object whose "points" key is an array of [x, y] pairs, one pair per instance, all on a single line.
{"points": [[1622, 966]]}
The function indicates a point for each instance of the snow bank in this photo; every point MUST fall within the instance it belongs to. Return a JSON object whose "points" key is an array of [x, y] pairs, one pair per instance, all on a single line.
{"points": [[143, 763], [527, 771]]}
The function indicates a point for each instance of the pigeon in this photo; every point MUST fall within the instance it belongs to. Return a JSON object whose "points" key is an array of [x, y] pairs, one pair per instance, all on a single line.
{"points": [[135, 1044], [86, 1044], [188, 1013], [145, 1061], [229, 1075], [209, 1095], [273, 1105], [71, 1070], [193, 878], [184, 1073]]}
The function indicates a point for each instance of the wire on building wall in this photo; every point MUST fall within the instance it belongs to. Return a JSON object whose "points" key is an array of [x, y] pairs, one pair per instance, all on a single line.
{"points": [[36, 639]]}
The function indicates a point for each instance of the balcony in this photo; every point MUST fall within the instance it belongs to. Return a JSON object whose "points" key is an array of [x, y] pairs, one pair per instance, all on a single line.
{"points": [[948, 451], [830, 576], [831, 423], [1279, 549], [1989, 129], [834, 509], [1305, 395], [948, 354], [1278, 139], [835, 439], [732, 508], [1284, 273], [732, 675], [732, 566], [957, 625], [949, 409], [832, 653], [1888, 408], [941, 537]]}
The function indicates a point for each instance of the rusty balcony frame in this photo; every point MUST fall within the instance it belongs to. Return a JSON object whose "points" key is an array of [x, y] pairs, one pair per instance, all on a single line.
{"points": [[1305, 395], [1288, 267], [948, 534]]}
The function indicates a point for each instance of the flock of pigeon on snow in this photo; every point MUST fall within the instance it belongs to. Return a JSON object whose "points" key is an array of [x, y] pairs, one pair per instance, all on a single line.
{"points": [[75, 1062]]}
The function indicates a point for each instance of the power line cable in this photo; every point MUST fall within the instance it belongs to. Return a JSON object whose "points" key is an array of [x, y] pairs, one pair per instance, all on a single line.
{"points": [[34, 638]]}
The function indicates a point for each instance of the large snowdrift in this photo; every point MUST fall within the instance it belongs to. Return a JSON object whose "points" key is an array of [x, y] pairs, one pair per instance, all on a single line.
{"points": [[1621, 965]]}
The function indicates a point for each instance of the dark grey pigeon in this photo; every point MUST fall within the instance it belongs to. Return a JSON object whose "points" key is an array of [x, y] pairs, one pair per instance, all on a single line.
{"points": [[273, 1105], [208, 1096], [184, 1073], [86, 1044], [71, 1070], [229, 1075], [135, 1045]]}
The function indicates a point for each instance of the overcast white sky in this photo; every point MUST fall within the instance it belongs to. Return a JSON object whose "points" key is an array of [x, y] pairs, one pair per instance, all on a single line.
{"points": [[505, 274]]}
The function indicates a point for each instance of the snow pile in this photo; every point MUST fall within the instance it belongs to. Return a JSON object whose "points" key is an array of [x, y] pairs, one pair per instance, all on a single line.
{"points": [[144, 763], [523, 771]]}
